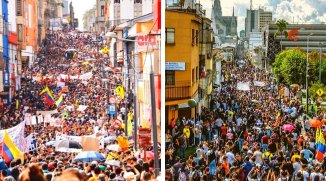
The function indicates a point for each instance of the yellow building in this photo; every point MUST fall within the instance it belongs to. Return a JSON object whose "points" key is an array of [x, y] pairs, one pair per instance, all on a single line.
{"points": [[182, 63]]}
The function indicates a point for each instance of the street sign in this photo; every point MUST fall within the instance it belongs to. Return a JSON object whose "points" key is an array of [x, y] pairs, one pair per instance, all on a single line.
{"points": [[111, 109], [320, 92]]}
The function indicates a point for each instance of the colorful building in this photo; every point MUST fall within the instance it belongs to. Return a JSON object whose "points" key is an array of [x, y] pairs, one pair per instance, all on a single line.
{"points": [[181, 62]]}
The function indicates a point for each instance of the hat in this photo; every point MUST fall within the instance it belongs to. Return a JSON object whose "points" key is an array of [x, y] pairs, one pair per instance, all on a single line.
{"points": [[129, 175], [102, 167], [287, 158], [50, 166], [249, 152]]}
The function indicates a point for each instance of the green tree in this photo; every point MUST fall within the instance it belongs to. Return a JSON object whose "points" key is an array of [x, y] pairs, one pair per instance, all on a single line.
{"points": [[281, 29], [290, 66]]}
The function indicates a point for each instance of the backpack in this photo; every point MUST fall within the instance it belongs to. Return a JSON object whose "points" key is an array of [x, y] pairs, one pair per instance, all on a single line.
{"points": [[182, 176], [196, 176]]}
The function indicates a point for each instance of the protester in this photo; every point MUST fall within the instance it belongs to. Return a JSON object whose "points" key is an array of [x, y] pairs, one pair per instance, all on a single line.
{"points": [[253, 130], [70, 65]]}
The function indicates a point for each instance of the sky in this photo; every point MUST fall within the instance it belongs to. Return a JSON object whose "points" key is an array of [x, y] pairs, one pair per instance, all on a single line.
{"points": [[301, 11], [80, 7]]}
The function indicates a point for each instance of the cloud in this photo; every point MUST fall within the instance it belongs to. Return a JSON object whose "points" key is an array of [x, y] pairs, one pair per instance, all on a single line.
{"points": [[302, 11]]}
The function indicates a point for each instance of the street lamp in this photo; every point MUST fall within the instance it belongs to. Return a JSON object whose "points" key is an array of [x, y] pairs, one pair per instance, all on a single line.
{"points": [[153, 104], [321, 44], [307, 76]]}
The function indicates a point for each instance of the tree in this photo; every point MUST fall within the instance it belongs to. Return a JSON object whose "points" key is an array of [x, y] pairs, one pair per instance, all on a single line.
{"points": [[290, 66], [281, 26]]}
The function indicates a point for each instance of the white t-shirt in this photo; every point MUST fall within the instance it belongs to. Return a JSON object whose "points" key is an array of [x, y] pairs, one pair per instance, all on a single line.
{"points": [[239, 121], [219, 122], [230, 156], [258, 155]]}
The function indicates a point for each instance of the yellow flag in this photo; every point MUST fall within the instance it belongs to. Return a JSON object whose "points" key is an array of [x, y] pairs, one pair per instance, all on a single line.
{"points": [[17, 104], [76, 104], [120, 91]]}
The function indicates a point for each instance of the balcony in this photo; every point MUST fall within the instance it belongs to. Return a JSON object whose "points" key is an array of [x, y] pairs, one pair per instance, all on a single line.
{"points": [[181, 90]]}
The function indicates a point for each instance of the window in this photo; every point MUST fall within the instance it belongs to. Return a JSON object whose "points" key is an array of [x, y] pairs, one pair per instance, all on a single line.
{"points": [[197, 73], [193, 76], [102, 10], [116, 1], [19, 7], [137, 1], [170, 35], [20, 32], [197, 37], [192, 37], [169, 77]]}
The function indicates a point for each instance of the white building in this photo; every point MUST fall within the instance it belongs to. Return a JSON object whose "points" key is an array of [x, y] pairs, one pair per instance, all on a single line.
{"points": [[121, 11], [255, 39]]}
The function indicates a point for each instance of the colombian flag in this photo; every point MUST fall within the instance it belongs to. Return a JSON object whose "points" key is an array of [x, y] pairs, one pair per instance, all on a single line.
{"points": [[9, 149], [47, 90], [48, 99], [59, 101], [320, 144]]}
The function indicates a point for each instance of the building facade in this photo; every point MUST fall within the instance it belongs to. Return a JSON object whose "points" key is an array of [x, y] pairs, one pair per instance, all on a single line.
{"points": [[257, 20], [273, 44], [121, 11], [182, 67]]}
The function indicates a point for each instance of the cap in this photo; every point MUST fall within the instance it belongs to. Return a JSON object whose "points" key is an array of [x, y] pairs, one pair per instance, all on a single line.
{"points": [[287, 158], [51, 166], [129, 175], [102, 167]]}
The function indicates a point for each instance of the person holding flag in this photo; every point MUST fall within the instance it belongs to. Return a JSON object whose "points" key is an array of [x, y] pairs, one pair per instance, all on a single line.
{"points": [[320, 144]]}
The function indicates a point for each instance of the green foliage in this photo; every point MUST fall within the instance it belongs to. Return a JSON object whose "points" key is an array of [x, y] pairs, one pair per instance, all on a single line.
{"points": [[290, 66], [281, 26], [313, 90]]}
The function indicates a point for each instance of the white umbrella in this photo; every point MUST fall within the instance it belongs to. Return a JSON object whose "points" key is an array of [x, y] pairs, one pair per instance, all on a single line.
{"points": [[109, 139], [113, 162], [113, 147]]}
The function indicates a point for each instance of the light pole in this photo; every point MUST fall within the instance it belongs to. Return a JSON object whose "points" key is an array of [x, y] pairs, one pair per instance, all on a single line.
{"points": [[153, 104], [321, 45], [307, 75]]}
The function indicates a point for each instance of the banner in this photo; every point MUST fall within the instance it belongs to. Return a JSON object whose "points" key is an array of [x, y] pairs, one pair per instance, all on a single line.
{"points": [[244, 86], [45, 113], [16, 134], [85, 76], [259, 84]]}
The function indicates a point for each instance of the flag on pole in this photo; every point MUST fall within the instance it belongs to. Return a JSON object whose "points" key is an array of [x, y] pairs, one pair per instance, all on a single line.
{"points": [[59, 101], [320, 144], [9, 150], [47, 90], [120, 91]]}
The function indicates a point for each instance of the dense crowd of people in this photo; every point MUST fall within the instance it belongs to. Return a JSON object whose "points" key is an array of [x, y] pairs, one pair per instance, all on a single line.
{"points": [[72, 53], [241, 136]]}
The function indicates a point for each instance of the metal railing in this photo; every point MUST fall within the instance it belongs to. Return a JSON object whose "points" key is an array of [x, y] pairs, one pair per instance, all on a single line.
{"points": [[181, 90]]}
